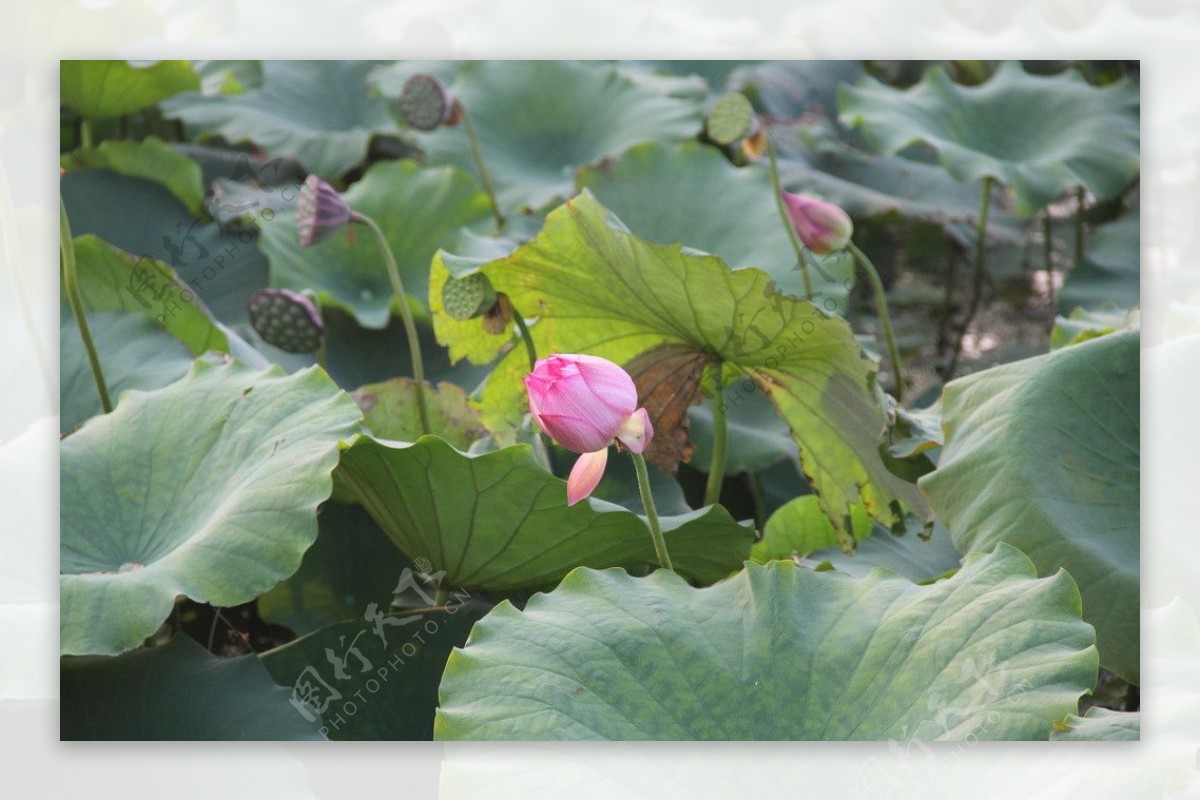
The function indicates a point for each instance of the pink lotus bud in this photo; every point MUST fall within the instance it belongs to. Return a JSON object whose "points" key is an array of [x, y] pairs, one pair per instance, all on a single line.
{"points": [[320, 213], [822, 227], [585, 404]]}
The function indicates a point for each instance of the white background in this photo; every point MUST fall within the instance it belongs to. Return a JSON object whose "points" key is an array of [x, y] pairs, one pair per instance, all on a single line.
{"points": [[1164, 34]]}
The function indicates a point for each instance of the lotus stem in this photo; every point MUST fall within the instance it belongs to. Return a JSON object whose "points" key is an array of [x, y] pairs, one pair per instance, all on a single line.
{"points": [[1048, 253], [660, 544], [885, 320], [75, 298], [980, 269], [801, 254], [484, 175], [410, 327], [716, 470], [527, 339], [1080, 199]]}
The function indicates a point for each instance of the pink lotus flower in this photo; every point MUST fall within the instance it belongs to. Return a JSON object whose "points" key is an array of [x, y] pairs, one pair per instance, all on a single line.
{"points": [[585, 404], [822, 227]]}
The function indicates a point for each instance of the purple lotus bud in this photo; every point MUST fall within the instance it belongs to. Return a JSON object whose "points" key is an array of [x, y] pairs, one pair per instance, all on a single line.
{"points": [[288, 320], [320, 213], [822, 227]]}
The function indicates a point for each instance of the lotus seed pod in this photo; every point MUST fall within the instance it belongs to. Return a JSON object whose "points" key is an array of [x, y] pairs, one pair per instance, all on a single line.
{"points": [[425, 103], [730, 119], [288, 320], [471, 296], [320, 212]]}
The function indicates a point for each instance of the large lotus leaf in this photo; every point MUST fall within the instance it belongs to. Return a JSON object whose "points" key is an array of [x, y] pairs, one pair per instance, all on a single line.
{"points": [[599, 289], [799, 527], [690, 193], [420, 210], [869, 185], [499, 521], [357, 356], [1043, 453], [103, 89], [777, 652], [318, 112], [540, 120], [152, 158], [390, 412], [917, 559], [794, 89], [1084, 324], [177, 691], [134, 353], [112, 280], [799, 530], [388, 685], [219, 265], [351, 565], [206, 488], [1040, 135], [1110, 272], [1099, 724]]}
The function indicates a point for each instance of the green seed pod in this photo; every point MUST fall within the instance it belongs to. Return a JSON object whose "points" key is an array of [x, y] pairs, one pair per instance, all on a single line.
{"points": [[731, 118], [288, 320], [425, 103], [471, 296]]}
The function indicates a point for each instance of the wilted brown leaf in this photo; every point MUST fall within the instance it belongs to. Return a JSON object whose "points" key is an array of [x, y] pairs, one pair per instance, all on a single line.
{"points": [[668, 382]]}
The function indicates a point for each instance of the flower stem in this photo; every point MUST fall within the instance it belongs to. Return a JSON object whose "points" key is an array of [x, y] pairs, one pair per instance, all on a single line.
{"points": [[980, 271], [660, 545], [75, 298], [716, 470], [885, 320], [1048, 254], [527, 339], [801, 255], [85, 133], [1080, 198], [410, 327], [484, 176]]}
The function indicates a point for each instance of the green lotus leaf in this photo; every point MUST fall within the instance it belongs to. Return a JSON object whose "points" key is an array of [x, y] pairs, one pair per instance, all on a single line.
{"points": [[1041, 135], [103, 89], [177, 691], [688, 192], [793, 89], [540, 120], [800, 527], [919, 560], [499, 521], [153, 159], [318, 112], [351, 565], [390, 412], [1043, 454], [1111, 268], [206, 488], [1084, 324], [221, 266], [777, 652], [388, 687], [1099, 723], [420, 210], [596, 288], [134, 353], [112, 280]]}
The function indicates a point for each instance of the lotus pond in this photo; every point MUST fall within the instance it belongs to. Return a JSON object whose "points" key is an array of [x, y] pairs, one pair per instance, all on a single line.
{"points": [[600, 400]]}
